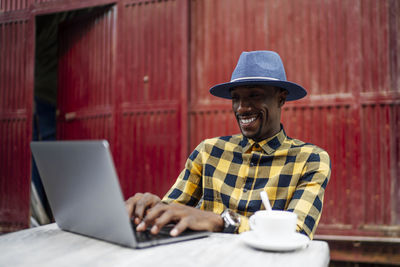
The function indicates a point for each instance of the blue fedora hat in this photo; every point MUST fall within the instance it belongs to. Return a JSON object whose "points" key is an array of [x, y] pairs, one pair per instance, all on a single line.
{"points": [[259, 68]]}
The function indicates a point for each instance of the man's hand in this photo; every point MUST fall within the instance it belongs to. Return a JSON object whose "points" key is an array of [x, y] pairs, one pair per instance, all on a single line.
{"points": [[184, 217], [138, 205], [147, 209]]}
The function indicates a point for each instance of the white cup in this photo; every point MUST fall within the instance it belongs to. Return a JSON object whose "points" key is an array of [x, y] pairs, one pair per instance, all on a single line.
{"points": [[273, 224]]}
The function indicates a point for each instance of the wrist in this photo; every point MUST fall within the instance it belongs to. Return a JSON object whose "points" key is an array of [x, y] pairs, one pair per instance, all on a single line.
{"points": [[217, 223]]}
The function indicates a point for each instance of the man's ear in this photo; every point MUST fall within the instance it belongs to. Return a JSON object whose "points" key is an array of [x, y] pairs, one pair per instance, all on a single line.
{"points": [[282, 97]]}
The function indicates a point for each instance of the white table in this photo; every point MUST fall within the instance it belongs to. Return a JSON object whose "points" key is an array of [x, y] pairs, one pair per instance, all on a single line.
{"points": [[50, 246]]}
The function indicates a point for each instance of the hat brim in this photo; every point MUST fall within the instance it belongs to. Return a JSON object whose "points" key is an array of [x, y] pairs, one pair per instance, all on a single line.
{"points": [[295, 91]]}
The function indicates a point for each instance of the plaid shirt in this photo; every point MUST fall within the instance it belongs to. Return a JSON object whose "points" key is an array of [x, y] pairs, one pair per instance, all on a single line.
{"points": [[230, 172]]}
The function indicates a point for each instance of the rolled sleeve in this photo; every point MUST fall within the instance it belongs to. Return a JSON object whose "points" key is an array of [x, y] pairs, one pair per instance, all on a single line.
{"points": [[187, 189]]}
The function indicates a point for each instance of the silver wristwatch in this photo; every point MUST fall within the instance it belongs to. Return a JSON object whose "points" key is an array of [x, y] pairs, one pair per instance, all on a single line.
{"points": [[231, 221]]}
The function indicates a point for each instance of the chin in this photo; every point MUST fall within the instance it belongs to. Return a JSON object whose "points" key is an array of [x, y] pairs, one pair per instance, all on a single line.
{"points": [[253, 136]]}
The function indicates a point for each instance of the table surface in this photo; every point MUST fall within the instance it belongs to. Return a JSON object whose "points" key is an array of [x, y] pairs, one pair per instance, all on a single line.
{"points": [[49, 246]]}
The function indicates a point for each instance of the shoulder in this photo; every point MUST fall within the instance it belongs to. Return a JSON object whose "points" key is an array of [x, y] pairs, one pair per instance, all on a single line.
{"points": [[225, 143], [311, 151], [234, 139]]}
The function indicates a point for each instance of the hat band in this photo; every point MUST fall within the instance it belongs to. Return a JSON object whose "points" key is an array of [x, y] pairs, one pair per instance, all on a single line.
{"points": [[262, 78]]}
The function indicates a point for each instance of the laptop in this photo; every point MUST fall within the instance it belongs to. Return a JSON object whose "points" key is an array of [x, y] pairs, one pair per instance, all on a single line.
{"points": [[84, 194]]}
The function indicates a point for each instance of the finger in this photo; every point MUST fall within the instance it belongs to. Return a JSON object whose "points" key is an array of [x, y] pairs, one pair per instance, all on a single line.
{"points": [[154, 213], [130, 204], [141, 226], [151, 216], [143, 203], [137, 221], [167, 215], [181, 226]]}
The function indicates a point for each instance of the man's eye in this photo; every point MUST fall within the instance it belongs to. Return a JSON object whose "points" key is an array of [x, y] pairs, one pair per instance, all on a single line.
{"points": [[255, 96]]}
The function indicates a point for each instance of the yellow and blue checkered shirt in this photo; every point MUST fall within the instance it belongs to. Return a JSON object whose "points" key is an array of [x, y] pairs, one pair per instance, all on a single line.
{"points": [[230, 172]]}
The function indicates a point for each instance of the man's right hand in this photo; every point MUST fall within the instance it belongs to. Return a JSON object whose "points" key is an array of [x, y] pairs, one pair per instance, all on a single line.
{"points": [[148, 210], [139, 204]]}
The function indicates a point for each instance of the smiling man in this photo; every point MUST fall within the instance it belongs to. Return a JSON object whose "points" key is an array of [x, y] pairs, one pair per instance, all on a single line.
{"points": [[257, 110], [223, 177]]}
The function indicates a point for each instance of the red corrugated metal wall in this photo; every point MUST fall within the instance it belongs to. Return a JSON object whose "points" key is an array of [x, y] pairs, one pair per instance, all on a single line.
{"points": [[123, 76], [220, 31], [86, 71], [16, 85], [153, 104], [345, 54], [144, 117], [11, 5]]}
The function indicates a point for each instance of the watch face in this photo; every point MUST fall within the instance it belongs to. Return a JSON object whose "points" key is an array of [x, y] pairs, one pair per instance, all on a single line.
{"points": [[231, 221], [234, 216]]}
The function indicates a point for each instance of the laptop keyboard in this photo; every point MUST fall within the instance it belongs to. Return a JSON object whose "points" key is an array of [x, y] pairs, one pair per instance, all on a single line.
{"points": [[145, 236]]}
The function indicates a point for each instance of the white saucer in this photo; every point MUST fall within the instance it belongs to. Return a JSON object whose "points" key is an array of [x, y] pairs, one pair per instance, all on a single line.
{"points": [[296, 241]]}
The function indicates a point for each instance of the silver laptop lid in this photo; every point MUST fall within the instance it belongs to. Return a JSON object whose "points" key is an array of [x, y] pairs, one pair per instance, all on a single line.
{"points": [[82, 186]]}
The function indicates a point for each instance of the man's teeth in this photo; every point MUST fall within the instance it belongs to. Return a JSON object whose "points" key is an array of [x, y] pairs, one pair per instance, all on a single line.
{"points": [[248, 120]]}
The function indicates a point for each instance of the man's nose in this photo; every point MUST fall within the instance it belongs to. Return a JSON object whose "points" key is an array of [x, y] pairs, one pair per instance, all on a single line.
{"points": [[243, 105]]}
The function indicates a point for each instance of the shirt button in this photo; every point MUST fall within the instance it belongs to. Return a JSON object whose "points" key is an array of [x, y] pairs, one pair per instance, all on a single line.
{"points": [[252, 164]]}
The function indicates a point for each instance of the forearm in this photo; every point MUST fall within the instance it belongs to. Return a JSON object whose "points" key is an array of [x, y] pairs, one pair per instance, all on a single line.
{"points": [[216, 222], [188, 188]]}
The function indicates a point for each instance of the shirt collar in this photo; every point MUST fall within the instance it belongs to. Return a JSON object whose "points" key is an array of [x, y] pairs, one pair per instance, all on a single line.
{"points": [[269, 145]]}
